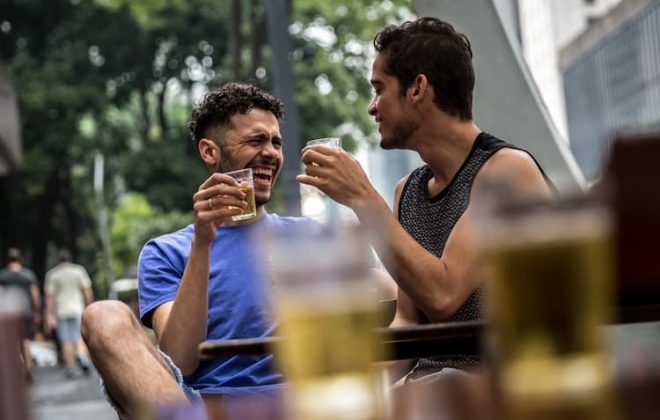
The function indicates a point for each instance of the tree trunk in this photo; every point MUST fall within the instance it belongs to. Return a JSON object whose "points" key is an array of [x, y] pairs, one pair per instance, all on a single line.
{"points": [[42, 233], [257, 18], [144, 108], [288, 9], [235, 40], [162, 119], [72, 217]]}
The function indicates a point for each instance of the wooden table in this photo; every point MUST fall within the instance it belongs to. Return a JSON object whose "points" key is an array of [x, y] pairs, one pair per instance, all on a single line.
{"points": [[445, 339], [441, 339]]}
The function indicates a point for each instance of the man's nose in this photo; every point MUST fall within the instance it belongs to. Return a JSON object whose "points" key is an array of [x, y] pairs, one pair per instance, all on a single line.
{"points": [[372, 107], [269, 150]]}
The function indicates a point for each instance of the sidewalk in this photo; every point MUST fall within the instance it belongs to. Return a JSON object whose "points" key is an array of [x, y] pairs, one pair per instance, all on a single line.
{"points": [[56, 398]]}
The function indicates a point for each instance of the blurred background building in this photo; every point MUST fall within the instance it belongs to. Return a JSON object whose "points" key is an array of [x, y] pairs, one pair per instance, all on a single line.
{"points": [[611, 75], [596, 64]]}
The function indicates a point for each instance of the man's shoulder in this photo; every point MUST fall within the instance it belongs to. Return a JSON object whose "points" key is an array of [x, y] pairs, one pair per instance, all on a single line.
{"points": [[63, 271], [5, 275], [29, 274], [183, 235], [517, 169], [508, 160], [170, 244]]}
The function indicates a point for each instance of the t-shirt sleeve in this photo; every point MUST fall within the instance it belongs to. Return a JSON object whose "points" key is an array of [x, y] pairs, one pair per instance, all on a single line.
{"points": [[160, 269], [31, 276], [49, 285], [85, 281]]}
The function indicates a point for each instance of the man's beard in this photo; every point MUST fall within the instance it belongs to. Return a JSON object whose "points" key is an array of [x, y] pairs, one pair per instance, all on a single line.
{"points": [[225, 164], [402, 133]]}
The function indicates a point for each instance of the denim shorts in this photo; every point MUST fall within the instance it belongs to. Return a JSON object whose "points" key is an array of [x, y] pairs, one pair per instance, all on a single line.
{"points": [[68, 329], [192, 394]]}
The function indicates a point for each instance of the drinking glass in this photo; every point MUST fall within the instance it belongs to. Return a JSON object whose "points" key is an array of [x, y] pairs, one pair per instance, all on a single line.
{"points": [[332, 142], [549, 295], [331, 206], [327, 308], [246, 184]]}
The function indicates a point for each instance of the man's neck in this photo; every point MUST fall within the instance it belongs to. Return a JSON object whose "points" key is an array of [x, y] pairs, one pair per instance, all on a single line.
{"points": [[14, 266], [444, 144]]}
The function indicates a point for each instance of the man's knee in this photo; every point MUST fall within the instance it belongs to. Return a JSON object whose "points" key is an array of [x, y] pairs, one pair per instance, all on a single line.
{"points": [[105, 319]]}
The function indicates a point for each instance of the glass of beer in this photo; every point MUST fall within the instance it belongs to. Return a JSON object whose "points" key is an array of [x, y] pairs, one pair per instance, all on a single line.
{"points": [[245, 182], [331, 208], [550, 293], [332, 142], [327, 308]]}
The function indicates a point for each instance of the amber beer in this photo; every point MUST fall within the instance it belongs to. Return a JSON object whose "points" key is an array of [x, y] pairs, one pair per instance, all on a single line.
{"points": [[246, 183], [550, 294], [327, 312], [251, 209], [328, 357]]}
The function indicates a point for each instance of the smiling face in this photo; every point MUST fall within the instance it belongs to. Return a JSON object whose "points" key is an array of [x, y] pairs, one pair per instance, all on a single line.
{"points": [[390, 108], [253, 140]]}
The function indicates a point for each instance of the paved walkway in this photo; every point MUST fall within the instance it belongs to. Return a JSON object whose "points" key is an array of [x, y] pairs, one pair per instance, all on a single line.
{"points": [[56, 398]]}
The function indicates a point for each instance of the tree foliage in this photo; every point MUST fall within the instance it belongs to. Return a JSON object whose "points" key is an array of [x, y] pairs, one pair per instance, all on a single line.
{"points": [[118, 77]]}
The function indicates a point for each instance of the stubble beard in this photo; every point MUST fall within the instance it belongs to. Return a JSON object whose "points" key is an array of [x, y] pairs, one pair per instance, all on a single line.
{"points": [[398, 140]]}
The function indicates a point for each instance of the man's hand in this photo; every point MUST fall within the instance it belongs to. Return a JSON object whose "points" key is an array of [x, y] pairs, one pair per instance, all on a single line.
{"points": [[51, 323], [215, 202], [338, 174]]}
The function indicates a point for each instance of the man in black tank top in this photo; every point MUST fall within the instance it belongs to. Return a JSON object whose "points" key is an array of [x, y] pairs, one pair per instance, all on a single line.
{"points": [[423, 80]]}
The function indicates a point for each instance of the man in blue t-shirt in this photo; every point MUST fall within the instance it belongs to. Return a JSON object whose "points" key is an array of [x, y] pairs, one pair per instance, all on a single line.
{"points": [[201, 282]]}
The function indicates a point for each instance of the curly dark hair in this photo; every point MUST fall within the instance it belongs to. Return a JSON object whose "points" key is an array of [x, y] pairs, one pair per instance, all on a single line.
{"points": [[432, 47], [218, 106]]}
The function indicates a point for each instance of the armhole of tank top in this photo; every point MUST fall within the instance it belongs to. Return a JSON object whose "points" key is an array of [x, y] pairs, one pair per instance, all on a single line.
{"points": [[404, 190], [505, 145], [494, 146]]}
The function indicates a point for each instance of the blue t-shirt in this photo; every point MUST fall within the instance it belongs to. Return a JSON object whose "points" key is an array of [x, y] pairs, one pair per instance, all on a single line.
{"points": [[237, 299]]}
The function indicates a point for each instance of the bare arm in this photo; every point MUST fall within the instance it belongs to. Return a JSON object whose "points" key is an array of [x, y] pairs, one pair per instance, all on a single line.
{"points": [[51, 320], [437, 286], [181, 325], [35, 299], [406, 311], [88, 294]]}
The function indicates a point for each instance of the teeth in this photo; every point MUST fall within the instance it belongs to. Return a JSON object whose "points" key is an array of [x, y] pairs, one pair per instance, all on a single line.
{"points": [[261, 171]]}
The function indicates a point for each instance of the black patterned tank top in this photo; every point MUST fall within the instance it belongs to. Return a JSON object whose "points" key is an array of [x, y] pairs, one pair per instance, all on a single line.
{"points": [[430, 221]]}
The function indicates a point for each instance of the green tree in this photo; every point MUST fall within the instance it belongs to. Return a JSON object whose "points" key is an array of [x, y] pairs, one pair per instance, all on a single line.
{"points": [[119, 77]]}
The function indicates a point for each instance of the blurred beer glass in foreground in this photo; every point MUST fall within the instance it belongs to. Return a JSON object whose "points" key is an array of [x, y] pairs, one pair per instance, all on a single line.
{"points": [[327, 308], [550, 293]]}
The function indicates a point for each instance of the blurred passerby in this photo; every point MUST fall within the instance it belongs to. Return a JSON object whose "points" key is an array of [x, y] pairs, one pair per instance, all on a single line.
{"points": [[68, 291], [15, 275]]}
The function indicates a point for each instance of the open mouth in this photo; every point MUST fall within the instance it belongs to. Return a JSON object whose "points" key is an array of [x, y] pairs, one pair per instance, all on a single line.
{"points": [[262, 176]]}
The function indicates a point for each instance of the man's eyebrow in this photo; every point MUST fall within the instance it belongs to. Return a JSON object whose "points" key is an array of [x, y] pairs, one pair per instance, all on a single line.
{"points": [[253, 136]]}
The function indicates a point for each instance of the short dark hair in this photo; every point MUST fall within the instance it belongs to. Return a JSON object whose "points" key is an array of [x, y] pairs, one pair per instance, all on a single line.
{"points": [[432, 47], [63, 255], [217, 107], [14, 255]]}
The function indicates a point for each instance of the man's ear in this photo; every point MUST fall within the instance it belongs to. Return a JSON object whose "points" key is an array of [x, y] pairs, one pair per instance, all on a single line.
{"points": [[419, 87], [209, 151]]}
